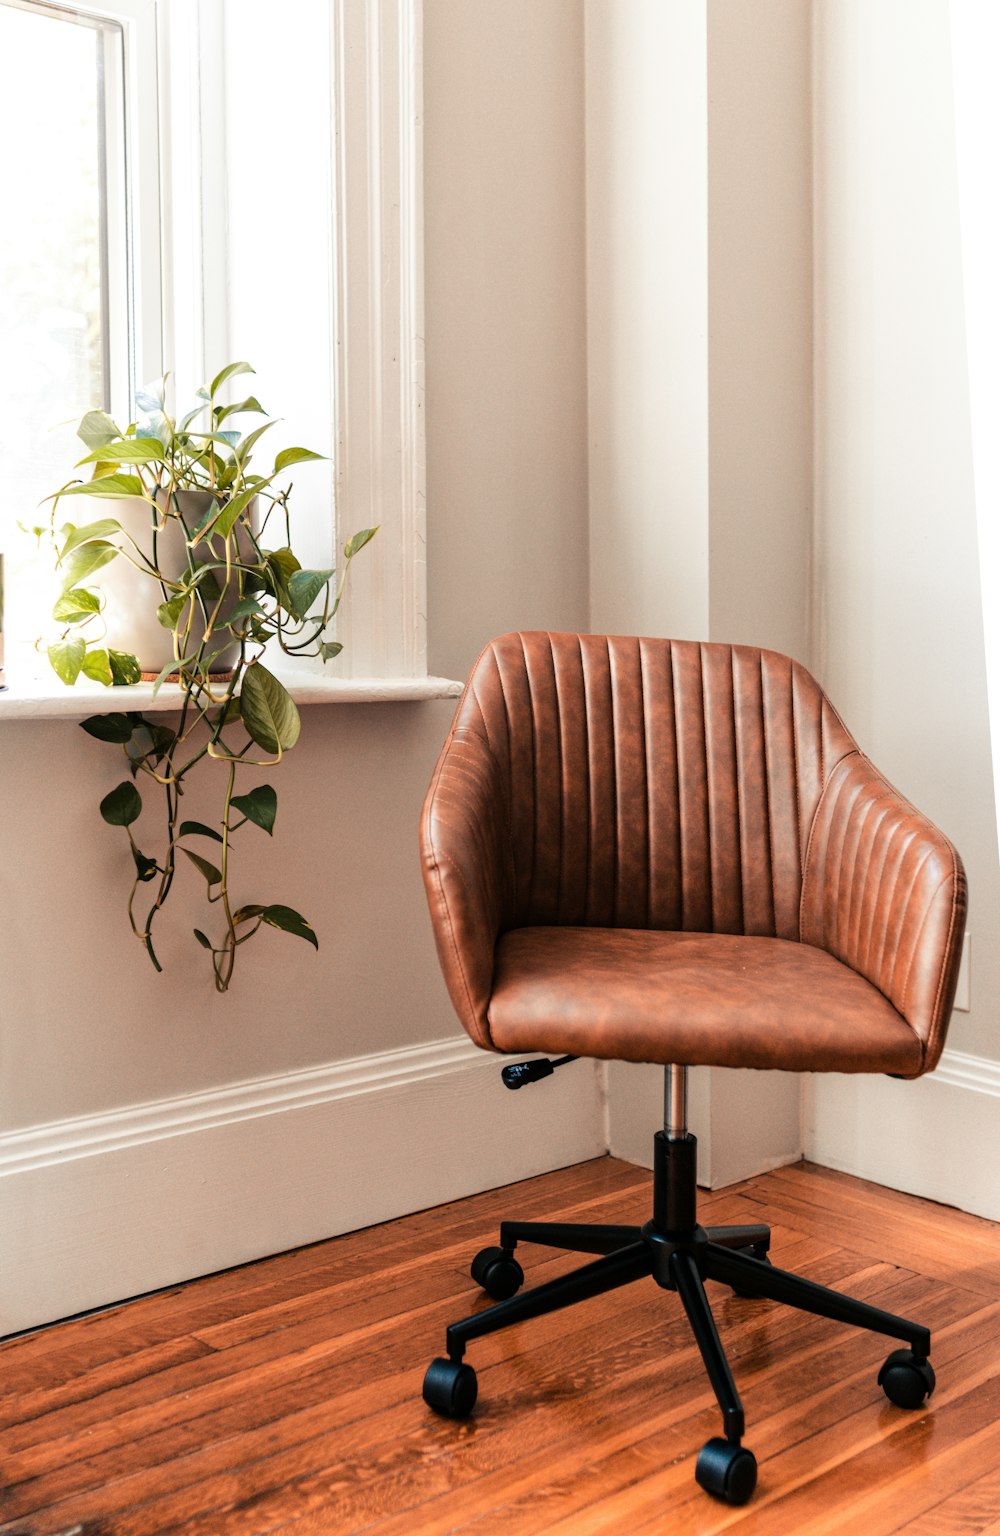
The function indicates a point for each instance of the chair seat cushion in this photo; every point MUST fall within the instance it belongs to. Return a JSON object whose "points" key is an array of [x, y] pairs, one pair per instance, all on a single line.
{"points": [[693, 998]]}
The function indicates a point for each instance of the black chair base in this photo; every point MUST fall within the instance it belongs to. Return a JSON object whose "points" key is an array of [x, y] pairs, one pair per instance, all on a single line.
{"points": [[680, 1256]]}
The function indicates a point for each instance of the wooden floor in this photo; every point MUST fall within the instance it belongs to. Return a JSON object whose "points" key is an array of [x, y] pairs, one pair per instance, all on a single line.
{"points": [[285, 1396]]}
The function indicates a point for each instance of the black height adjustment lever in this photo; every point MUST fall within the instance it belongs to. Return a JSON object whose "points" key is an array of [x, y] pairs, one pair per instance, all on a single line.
{"points": [[521, 1072]]}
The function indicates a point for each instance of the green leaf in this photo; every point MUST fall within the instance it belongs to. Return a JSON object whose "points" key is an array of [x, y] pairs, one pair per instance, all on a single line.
{"points": [[329, 649], [303, 589], [97, 665], [133, 450], [85, 561], [88, 533], [75, 606], [168, 613], [245, 446], [289, 456], [117, 728], [163, 739], [66, 657], [231, 511], [229, 372], [291, 922], [244, 914], [243, 610], [124, 668], [268, 710], [114, 486], [281, 566], [284, 560], [199, 829], [149, 397], [186, 421], [358, 541], [260, 806], [212, 875], [145, 868], [122, 806], [96, 429], [205, 943], [251, 403], [154, 426], [200, 526], [164, 673]]}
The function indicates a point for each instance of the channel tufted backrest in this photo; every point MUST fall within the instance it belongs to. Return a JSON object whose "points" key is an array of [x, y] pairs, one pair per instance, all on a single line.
{"points": [[610, 782], [653, 783]]}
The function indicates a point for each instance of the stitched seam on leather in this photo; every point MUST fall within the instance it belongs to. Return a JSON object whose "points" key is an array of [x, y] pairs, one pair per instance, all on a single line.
{"points": [[767, 794], [614, 795], [916, 942], [955, 904], [677, 781], [590, 786], [515, 894], [460, 734], [885, 805], [708, 797], [954, 863], [795, 770], [437, 870], [534, 780], [808, 847], [562, 791], [739, 792], [647, 781], [910, 834], [857, 879]]}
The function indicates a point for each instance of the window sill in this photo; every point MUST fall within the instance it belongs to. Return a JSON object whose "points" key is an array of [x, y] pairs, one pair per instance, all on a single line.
{"points": [[38, 698]]}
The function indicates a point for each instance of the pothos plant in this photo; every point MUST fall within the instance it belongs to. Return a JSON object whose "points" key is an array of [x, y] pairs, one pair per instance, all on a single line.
{"points": [[231, 586]]}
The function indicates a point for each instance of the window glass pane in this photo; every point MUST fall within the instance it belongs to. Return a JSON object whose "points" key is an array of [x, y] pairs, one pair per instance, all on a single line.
{"points": [[61, 135]]}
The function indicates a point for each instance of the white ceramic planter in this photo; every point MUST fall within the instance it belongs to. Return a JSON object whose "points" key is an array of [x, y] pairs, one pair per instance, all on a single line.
{"points": [[133, 597]]}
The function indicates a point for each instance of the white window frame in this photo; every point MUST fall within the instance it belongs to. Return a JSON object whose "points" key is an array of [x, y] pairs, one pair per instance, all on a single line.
{"points": [[375, 346], [374, 234], [133, 190]]}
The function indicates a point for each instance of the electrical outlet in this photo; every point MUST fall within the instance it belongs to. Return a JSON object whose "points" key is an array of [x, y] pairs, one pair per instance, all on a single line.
{"points": [[963, 992]]}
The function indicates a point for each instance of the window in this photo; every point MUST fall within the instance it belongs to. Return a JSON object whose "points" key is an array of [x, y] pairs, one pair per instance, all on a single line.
{"points": [[196, 184], [79, 247]]}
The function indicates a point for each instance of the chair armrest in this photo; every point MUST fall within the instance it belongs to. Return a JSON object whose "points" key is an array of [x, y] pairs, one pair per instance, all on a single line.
{"points": [[468, 872], [884, 891]]}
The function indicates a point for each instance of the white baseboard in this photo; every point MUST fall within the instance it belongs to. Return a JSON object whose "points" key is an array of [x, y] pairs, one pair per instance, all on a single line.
{"points": [[938, 1137], [98, 1209]]}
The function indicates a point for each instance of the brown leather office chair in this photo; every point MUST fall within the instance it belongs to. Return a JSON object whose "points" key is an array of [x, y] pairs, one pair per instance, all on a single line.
{"points": [[658, 851]]}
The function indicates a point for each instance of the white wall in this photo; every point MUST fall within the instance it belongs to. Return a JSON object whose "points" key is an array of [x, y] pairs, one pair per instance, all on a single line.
{"points": [[899, 628], [88, 1029]]}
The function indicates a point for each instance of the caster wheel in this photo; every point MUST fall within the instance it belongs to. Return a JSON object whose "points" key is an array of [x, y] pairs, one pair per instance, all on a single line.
{"points": [[450, 1388], [727, 1471], [754, 1252], [498, 1272], [905, 1380]]}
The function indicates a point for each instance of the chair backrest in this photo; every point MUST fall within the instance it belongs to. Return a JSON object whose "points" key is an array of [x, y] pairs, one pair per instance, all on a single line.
{"points": [[653, 783]]}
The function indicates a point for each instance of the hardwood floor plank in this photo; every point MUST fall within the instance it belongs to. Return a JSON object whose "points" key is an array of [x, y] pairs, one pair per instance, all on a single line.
{"points": [[285, 1396], [965, 1513]]}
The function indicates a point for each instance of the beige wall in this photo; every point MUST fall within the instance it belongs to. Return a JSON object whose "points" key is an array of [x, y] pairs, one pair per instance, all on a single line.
{"points": [[760, 322], [899, 627], [506, 322], [647, 296], [86, 1024]]}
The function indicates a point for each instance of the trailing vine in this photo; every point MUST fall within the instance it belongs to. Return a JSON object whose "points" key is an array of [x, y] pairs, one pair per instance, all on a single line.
{"points": [[224, 600]]}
